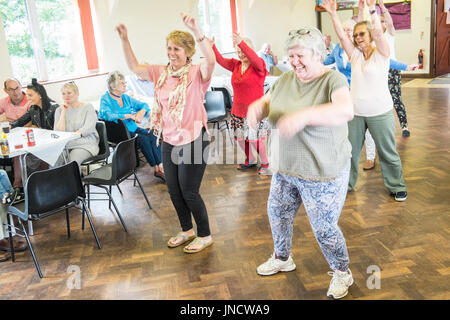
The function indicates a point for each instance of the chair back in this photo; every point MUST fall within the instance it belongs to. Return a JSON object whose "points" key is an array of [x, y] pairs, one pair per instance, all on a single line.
{"points": [[215, 106], [116, 132], [103, 146], [226, 96], [51, 189], [124, 159]]}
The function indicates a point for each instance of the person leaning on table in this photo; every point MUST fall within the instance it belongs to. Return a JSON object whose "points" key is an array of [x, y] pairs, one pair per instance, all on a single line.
{"points": [[308, 109], [42, 109]]}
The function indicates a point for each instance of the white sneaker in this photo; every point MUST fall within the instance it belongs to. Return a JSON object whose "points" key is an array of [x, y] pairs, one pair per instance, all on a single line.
{"points": [[274, 265], [339, 284]]}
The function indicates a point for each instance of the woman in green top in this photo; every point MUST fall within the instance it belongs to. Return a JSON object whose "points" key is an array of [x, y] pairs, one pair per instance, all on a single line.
{"points": [[308, 109]]}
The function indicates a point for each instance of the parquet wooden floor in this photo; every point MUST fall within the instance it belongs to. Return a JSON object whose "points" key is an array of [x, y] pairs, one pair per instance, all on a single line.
{"points": [[408, 241]]}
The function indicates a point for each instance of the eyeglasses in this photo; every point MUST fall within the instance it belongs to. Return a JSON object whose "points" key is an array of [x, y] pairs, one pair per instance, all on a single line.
{"points": [[299, 32], [13, 89], [361, 34]]}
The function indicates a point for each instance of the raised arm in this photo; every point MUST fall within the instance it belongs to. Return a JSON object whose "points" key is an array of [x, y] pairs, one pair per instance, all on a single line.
{"points": [[361, 6], [224, 62], [139, 69], [207, 66], [257, 62], [377, 30], [387, 18], [60, 118], [347, 45]]}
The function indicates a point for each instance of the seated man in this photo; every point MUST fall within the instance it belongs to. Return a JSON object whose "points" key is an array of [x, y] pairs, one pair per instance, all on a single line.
{"points": [[328, 44], [267, 55], [7, 196], [14, 106]]}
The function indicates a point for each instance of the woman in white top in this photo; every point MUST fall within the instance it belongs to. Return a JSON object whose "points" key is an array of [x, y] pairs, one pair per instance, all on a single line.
{"points": [[371, 97]]}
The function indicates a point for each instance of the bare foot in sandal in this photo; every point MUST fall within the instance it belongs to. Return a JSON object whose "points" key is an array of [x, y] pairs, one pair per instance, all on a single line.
{"points": [[180, 238], [198, 244]]}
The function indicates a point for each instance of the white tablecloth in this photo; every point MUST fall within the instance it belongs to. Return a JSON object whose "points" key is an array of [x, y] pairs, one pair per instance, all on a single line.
{"points": [[49, 144]]}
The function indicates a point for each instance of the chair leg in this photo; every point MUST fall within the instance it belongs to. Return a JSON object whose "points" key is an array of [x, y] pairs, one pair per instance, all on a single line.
{"points": [[119, 189], [31, 249], [110, 191], [117, 210], [11, 245], [86, 211], [140, 186], [68, 223]]}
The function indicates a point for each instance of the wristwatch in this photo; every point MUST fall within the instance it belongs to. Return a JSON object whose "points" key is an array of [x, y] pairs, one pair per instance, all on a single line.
{"points": [[373, 11]]}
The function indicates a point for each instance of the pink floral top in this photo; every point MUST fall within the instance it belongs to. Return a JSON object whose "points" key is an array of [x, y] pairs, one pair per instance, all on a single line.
{"points": [[194, 115]]}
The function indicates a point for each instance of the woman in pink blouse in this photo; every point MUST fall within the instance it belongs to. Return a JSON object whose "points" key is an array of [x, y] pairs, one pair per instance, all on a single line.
{"points": [[178, 115]]}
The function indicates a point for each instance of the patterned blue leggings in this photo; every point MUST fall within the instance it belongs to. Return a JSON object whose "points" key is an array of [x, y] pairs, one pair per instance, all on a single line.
{"points": [[323, 203]]}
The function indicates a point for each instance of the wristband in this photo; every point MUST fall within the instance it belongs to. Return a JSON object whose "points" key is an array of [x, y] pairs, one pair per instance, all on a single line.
{"points": [[373, 11]]}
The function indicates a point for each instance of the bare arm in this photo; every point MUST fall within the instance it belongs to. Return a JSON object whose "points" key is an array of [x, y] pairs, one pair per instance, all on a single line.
{"points": [[338, 112], [258, 110], [207, 66], [361, 10], [377, 31], [60, 125], [139, 69], [347, 45], [387, 18]]}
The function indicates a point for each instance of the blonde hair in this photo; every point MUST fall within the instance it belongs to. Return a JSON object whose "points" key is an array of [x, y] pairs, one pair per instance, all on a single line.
{"points": [[183, 39], [369, 29], [70, 85]]}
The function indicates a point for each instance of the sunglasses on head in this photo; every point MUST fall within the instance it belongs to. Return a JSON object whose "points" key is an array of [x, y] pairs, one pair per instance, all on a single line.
{"points": [[361, 34]]}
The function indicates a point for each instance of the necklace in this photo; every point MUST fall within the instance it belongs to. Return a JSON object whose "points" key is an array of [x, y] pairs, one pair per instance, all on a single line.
{"points": [[114, 95]]}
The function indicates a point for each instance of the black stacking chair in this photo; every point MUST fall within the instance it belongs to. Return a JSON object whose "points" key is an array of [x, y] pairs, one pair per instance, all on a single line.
{"points": [[122, 166], [103, 152], [49, 192], [215, 109], [226, 96]]}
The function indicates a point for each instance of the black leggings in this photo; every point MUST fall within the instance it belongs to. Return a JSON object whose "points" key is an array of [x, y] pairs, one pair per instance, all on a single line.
{"points": [[184, 167]]}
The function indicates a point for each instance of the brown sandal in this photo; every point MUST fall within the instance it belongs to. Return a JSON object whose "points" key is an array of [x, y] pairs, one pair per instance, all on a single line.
{"points": [[204, 244]]}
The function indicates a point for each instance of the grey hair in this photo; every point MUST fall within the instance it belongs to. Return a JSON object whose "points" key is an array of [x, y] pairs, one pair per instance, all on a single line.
{"points": [[308, 38], [112, 79]]}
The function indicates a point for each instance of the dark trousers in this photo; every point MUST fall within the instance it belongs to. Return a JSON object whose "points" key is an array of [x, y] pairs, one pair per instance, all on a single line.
{"points": [[184, 167], [147, 141], [395, 87]]}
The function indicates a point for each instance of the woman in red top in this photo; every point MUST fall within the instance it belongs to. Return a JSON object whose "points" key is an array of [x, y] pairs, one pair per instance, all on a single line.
{"points": [[247, 79]]}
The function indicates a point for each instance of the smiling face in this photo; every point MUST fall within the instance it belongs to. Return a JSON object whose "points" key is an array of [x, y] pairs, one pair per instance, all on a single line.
{"points": [[241, 55], [306, 64], [176, 54], [14, 91], [34, 97], [361, 36]]}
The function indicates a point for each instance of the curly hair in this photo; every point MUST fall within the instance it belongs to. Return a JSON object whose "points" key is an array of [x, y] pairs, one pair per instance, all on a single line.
{"points": [[183, 39]]}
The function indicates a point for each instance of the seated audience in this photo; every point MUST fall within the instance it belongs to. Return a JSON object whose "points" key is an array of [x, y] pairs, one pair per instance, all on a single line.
{"points": [[14, 106], [115, 105], [42, 110], [267, 55], [79, 117]]}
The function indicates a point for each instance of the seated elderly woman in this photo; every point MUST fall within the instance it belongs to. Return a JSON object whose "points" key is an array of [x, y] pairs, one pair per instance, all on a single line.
{"points": [[115, 105], [79, 117], [308, 109]]}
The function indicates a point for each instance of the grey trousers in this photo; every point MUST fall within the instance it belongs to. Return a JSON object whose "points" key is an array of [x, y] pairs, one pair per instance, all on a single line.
{"points": [[382, 130]]}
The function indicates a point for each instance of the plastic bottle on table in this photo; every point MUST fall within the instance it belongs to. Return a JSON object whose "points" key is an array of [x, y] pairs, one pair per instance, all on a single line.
{"points": [[4, 145]]}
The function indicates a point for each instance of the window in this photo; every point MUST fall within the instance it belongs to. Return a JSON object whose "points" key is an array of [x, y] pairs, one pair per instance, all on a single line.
{"points": [[44, 38], [215, 20]]}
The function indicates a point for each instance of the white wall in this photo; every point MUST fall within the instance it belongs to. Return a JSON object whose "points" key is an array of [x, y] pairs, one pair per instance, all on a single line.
{"points": [[270, 21]]}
